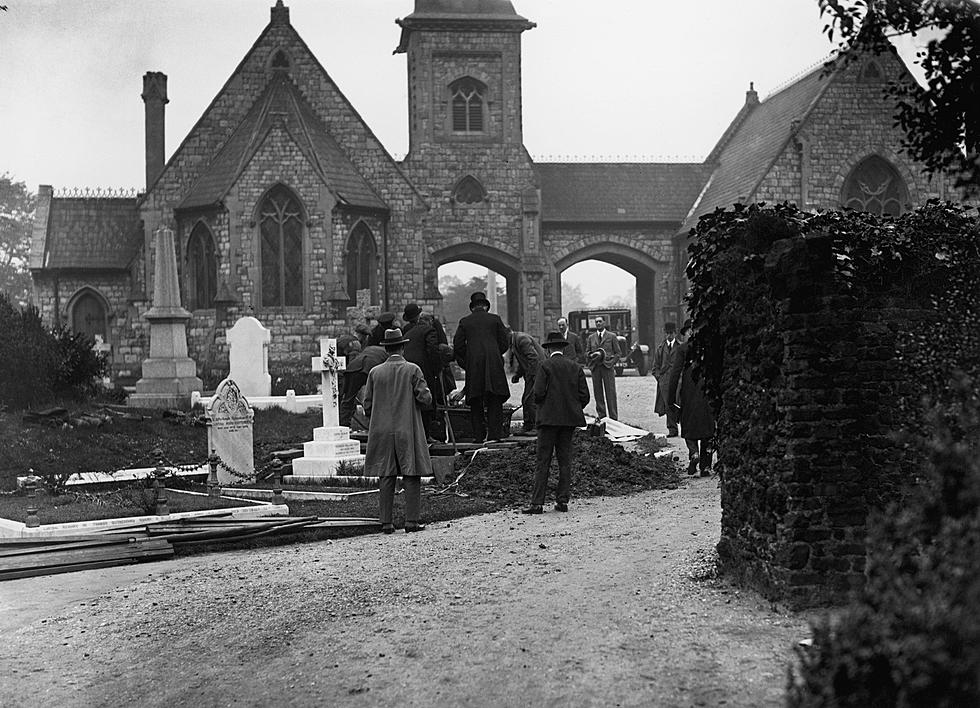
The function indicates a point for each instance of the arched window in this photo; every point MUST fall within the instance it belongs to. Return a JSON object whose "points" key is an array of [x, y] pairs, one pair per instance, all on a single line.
{"points": [[201, 269], [280, 60], [281, 251], [361, 263], [469, 191], [871, 72], [875, 186], [88, 315], [469, 104]]}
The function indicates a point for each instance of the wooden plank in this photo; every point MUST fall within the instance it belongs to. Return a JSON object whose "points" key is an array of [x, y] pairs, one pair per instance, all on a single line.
{"points": [[71, 567], [48, 540], [73, 545], [139, 549]]}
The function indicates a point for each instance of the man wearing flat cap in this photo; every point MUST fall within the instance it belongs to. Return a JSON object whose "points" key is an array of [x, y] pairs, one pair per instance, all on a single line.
{"points": [[479, 344], [395, 394]]}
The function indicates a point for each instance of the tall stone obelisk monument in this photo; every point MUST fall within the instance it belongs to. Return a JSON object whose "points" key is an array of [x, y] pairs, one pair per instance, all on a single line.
{"points": [[169, 375]]}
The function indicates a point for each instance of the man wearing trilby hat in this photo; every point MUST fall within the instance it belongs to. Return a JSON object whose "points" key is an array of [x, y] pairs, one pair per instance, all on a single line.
{"points": [[480, 342], [395, 393]]}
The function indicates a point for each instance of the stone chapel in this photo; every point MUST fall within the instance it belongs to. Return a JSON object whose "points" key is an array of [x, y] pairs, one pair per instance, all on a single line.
{"points": [[284, 203]]}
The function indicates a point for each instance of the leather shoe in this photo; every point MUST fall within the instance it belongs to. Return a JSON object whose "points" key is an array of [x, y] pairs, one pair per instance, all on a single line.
{"points": [[692, 468], [387, 529], [533, 510], [705, 471], [414, 528], [560, 506]]}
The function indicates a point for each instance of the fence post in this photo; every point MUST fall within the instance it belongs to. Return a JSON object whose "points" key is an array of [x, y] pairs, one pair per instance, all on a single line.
{"points": [[214, 488], [159, 473], [32, 521], [277, 497]]}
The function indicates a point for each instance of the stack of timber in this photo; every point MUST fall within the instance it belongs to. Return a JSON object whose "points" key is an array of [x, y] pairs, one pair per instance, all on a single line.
{"points": [[29, 557], [25, 558]]}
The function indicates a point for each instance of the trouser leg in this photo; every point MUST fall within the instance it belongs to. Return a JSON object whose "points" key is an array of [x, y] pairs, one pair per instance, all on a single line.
{"points": [[671, 419], [598, 393], [609, 383], [545, 449], [563, 448], [478, 420], [495, 416], [413, 499], [706, 454], [386, 498], [527, 403]]}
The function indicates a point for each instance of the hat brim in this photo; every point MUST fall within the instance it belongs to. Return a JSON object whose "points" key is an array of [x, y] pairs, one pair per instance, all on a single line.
{"points": [[395, 343], [554, 345], [474, 303]]}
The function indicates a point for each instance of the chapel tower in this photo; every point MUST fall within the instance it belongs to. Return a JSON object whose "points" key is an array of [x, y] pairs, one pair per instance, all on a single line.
{"points": [[466, 148]]}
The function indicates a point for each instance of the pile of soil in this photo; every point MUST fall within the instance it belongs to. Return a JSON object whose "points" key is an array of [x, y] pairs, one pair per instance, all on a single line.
{"points": [[599, 468]]}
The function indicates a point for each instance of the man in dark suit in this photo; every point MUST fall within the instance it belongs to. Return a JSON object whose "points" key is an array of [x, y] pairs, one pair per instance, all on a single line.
{"points": [[686, 395], [603, 355], [422, 349], [479, 344], [355, 376], [662, 361], [575, 351], [561, 393]]}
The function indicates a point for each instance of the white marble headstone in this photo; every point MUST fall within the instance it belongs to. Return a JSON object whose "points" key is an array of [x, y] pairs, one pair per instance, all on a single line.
{"points": [[248, 357], [230, 433]]}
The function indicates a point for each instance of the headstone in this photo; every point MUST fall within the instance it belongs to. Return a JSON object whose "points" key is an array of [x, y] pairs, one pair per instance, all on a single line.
{"points": [[248, 357], [230, 433], [331, 444]]}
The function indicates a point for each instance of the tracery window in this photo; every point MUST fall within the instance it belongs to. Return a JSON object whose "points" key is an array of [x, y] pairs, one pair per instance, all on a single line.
{"points": [[201, 270], [469, 105], [469, 191], [281, 251], [875, 186], [361, 263]]}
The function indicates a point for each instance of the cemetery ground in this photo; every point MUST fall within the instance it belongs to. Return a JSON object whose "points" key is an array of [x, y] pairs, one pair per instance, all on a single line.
{"points": [[613, 603]]}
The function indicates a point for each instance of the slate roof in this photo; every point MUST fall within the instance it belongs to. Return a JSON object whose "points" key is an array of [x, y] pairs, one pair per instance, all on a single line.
{"points": [[754, 141], [610, 192], [92, 233], [282, 103]]}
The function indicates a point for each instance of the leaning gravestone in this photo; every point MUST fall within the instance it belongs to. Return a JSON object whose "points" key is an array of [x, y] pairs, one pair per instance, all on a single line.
{"points": [[248, 357], [230, 433]]}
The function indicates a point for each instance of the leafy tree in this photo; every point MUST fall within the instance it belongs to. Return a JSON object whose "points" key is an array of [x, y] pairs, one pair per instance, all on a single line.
{"points": [[942, 120], [16, 214], [456, 298], [572, 298]]}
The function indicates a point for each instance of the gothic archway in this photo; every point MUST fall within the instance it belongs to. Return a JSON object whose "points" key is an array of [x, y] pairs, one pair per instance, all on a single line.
{"points": [[88, 312]]}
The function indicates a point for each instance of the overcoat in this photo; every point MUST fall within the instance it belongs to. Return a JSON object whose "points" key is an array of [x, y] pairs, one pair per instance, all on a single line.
{"points": [[560, 392], [479, 344], [422, 349], [574, 349], [695, 417], [662, 360], [608, 342], [396, 437]]}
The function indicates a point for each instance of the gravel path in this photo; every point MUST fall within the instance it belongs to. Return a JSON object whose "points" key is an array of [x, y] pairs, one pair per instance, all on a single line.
{"points": [[594, 607]]}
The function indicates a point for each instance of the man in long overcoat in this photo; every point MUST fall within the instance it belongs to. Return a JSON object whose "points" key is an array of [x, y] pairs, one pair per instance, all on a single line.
{"points": [[479, 344], [526, 354], [561, 393], [393, 399], [662, 360], [603, 354], [694, 413], [422, 349]]}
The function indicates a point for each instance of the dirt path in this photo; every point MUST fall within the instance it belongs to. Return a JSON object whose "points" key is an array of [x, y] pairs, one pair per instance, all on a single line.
{"points": [[593, 607]]}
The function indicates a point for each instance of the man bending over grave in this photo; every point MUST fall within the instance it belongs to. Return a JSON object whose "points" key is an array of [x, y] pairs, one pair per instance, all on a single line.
{"points": [[355, 376], [393, 400]]}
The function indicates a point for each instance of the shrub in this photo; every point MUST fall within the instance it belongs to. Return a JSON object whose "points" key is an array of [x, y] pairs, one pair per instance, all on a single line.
{"points": [[38, 364], [913, 636]]}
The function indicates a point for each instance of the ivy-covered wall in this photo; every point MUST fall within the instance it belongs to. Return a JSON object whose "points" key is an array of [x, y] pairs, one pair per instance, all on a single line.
{"points": [[816, 337]]}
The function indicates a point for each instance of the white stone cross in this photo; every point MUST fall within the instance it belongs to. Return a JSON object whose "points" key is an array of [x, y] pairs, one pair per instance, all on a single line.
{"points": [[329, 365]]}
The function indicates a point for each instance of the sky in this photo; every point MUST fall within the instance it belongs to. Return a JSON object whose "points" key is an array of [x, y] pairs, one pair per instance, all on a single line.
{"points": [[655, 80]]}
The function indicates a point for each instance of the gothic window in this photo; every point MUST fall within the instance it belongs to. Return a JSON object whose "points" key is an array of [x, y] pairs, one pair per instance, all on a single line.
{"points": [[201, 270], [281, 249], [871, 72], [469, 106], [875, 186], [88, 315], [469, 191], [361, 263], [280, 60]]}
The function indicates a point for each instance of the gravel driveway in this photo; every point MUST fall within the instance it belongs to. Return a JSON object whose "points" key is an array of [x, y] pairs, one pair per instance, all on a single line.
{"points": [[594, 607]]}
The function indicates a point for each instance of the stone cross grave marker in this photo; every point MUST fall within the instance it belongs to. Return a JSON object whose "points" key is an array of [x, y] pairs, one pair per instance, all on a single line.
{"points": [[230, 433], [248, 357], [331, 444]]}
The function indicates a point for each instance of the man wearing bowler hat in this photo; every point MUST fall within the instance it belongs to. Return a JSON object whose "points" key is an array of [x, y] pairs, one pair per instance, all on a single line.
{"points": [[479, 345], [561, 393], [396, 447]]}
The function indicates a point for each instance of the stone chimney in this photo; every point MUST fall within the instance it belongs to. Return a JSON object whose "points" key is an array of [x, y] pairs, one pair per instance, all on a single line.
{"points": [[752, 96], [154, 98], [280, 14]]}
